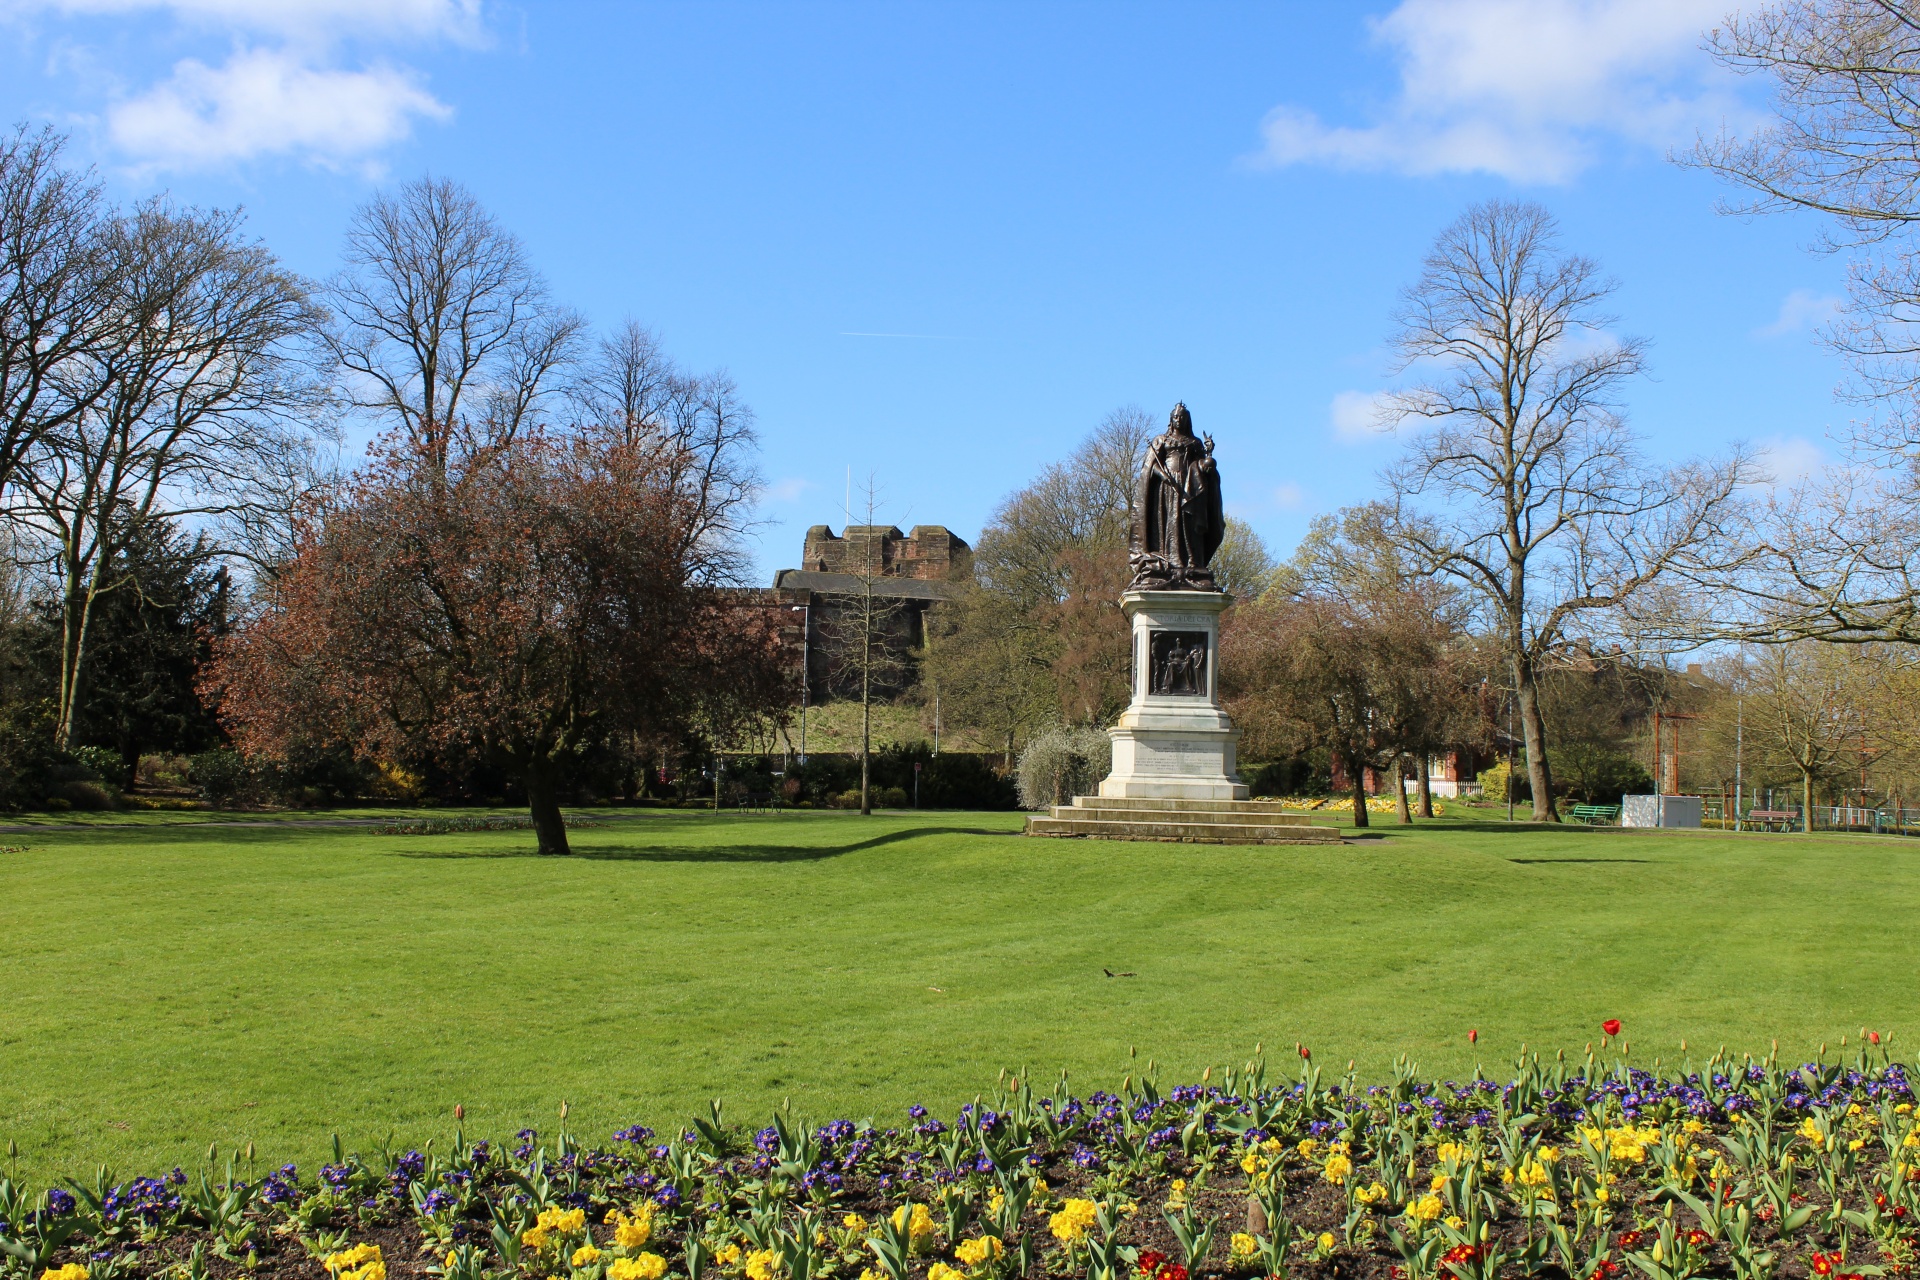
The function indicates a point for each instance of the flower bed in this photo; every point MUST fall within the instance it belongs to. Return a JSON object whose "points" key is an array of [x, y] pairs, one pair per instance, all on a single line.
{"points": [[1375, 804], [1741, 1168]]}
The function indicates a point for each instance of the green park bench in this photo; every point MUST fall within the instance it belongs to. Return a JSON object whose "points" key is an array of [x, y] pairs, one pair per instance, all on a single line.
{"points": [[1594, 814]]}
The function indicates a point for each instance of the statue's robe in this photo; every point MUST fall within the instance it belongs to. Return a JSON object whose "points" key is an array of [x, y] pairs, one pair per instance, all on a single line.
{"points": [[1178, 510]]}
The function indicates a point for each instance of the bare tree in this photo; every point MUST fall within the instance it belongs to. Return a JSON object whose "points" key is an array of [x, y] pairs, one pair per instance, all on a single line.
{"points": [[59, 305], [1808, 711], [191, 395], [441, 325], [1528, 488], [863, 642], [1037, 637], [1318, 671], [1833, 558], [627, 381]]}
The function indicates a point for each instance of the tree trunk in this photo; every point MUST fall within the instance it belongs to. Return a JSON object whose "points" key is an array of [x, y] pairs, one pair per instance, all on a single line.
{"points": [[1806, 802], [1426, 786], [1359, 797], [76, 615], [1533, 732], [1400, 790], [866, 732], [549, 828]]}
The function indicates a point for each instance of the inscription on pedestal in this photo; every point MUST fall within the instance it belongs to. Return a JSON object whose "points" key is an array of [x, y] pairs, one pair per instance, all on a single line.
{"points": [[1176, 757], [1177, 663]]}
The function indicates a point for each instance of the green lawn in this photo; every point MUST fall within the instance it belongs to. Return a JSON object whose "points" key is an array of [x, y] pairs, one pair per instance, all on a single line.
{"points": [[166, 986]]}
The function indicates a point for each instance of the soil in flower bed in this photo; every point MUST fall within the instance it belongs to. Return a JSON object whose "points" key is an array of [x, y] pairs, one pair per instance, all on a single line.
{"points": [[1450, 1181]]}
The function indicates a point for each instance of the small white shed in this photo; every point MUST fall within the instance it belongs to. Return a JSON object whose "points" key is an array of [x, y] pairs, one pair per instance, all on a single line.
{"points": [[1660, 811]]}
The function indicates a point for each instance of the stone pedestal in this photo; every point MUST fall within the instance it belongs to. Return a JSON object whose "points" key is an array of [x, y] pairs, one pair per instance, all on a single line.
{"points": [[1174, 742]]}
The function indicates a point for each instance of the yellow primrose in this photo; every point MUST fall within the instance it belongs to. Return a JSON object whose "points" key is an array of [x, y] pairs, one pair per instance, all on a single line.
{"points": [[1308, 1147], [1426, 1208], [1073, 1221], [72, 1271], [585, 1256], [1372, 1194], [631, 1230], [854, 1222], [1338, 1167], [347, 1259], [727, 1255], [975, 1252], [941, 1271], [1455, 1221], [648, 1266], [1450, 1151], [762, 1264], [1242, 1246], [1326, 1241], [917, 1221]]}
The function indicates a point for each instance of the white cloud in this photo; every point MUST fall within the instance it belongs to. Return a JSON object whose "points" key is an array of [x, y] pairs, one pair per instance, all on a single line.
{"points": [[1801, 309], [284, 87], [323, 20], [267, 102], [1522, 88], [1789, 459], [1356, 416]]}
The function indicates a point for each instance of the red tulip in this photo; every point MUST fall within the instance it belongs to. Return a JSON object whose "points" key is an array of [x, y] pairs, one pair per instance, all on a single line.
{"points": [[1873, 1037], [1305, 1052], [1473, 1037], [1611, 1026]]}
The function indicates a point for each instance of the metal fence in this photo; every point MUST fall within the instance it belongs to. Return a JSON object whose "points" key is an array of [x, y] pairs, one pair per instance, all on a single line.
{"points": [[1721, 811]]}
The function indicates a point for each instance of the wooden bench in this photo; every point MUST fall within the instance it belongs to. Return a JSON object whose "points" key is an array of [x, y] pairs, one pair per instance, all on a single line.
{"points": [[1770, 818], [1594, 814]]}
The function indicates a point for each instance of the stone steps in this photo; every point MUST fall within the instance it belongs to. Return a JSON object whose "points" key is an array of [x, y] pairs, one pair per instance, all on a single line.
{"points": [[1264, 813], [1179, 821]]}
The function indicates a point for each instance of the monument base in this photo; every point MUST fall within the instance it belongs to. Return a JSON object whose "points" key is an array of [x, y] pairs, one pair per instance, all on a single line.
{"points": [[1173, 742]]}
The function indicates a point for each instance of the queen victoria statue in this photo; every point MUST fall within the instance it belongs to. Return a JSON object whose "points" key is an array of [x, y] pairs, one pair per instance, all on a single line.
{"points": [[1177, 521]]}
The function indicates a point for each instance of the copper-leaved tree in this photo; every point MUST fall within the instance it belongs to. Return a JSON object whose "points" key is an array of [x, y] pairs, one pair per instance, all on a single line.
{"points": [[514, 602]]}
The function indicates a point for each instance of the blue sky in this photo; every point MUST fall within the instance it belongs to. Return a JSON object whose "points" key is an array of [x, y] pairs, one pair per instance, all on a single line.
{"points": [[1064, 208]]}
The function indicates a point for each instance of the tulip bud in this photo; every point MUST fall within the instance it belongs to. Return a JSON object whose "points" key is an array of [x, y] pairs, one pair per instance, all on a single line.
{"points": [[1873, 1037], [459, 1111], [1473, 1037]]}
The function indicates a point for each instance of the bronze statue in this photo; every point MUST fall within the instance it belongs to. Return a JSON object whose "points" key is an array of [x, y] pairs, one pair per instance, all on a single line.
{"points": [[1177, 517]]}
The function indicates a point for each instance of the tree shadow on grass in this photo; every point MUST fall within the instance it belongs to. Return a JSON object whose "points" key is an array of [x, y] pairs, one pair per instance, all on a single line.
{"points": [[711, 853], [1531, 862]]}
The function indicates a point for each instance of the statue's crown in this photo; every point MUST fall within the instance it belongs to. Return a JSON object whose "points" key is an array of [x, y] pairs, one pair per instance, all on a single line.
{"points": [[1180, 420]]}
